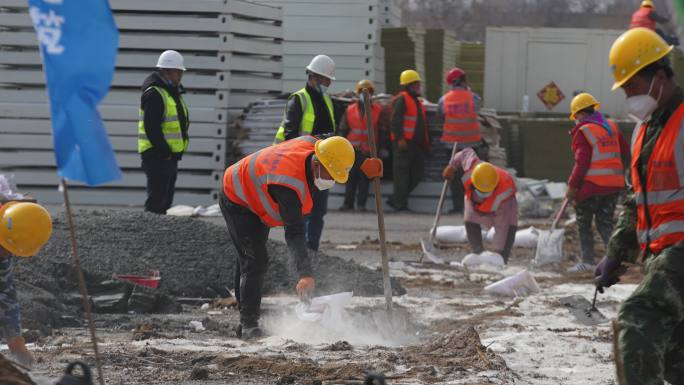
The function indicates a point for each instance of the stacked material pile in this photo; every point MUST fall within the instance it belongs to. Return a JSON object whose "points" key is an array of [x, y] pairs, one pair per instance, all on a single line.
{"points": [[471, 59], [404, 49], [441, 51]]}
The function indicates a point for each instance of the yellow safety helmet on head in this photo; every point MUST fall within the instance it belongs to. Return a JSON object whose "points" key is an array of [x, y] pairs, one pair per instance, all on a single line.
{"points": [[367, 84], [409, 76], [647, 3], [336, 154], [634, 50], [485, 177], [582, 101], [24, 228]]}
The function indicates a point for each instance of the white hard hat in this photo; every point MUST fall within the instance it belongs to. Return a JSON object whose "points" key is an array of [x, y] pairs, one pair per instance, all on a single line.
{"points": [[322, 65], [171, 59]]}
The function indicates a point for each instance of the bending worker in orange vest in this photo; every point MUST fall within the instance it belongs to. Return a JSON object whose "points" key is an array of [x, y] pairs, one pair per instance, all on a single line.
{"points": [[273, 187], [410, 139], [353, 127], [458, 109], [650, 228], [598, 176], [489, 201], [24, 228], [646, 17]]}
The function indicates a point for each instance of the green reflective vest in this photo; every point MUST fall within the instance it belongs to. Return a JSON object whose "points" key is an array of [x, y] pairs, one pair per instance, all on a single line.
{"points": [[171, 127], [308, 115]]}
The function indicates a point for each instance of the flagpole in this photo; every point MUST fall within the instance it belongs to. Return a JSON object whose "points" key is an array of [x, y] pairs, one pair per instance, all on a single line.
{"points": [[81, 282]]}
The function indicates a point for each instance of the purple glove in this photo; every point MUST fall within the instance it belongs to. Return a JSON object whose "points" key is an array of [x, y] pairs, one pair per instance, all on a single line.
{"points": [[608, 272]]}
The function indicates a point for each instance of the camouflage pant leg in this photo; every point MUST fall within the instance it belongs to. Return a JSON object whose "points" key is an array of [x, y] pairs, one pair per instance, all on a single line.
{"points": [[599, 209], [10, 322], [651, 323]]}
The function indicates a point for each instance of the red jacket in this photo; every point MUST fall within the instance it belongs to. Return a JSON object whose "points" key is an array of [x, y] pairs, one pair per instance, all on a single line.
{"points": [[582, 156]]}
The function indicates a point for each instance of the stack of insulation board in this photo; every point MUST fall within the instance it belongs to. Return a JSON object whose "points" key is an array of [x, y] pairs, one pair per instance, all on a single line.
{"points": [[346, 30], [471, 58], [232, 51], [441, 50], [404, 49]]}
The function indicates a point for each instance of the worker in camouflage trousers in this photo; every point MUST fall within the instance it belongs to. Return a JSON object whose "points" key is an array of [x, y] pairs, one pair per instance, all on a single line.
{"points": [[650, 228]]}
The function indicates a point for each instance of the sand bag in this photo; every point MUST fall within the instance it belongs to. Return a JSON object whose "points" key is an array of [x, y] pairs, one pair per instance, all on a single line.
{"points": [[327, 310], [526, 238], [484, 258], [451, 234], [519, 285]]}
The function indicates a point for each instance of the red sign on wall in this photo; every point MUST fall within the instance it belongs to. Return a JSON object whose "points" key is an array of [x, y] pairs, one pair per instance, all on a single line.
{"points": [[550, 95]]}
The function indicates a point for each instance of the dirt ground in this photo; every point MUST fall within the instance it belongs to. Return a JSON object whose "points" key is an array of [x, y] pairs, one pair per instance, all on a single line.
{"points": [[445, 330]]}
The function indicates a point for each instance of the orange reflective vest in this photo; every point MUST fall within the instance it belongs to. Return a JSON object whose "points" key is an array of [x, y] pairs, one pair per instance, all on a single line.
{"points": [[460, 119], [411, 118], [246, 182], [504, 190], [660, 202], [606, 168], [642, 18], [358, 134]]}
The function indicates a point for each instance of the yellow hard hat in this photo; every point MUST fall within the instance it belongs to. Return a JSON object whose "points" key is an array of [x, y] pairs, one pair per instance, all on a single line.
{"points": [[647, 3], [408, 77], [634, 50], [582, 101], [485, 177], [336, 154], [365, 83], [24, 228]]}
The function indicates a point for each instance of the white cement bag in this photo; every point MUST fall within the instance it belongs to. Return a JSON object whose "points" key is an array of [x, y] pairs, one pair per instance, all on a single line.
{"points": [[485, 258], [451, 234], [519, 285], [181, 211], [328, 309], [526, 238]]}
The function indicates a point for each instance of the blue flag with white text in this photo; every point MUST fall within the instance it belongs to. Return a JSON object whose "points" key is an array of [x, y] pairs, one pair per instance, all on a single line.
{"points": [[78, 44]]}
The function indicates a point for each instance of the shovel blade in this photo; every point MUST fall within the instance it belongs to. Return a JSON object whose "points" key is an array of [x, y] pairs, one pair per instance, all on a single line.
{"points": [[428, 252], [582, 310], [549, 247]]}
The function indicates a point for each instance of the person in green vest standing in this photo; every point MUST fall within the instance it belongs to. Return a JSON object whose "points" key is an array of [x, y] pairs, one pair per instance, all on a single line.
{"points": [[310, 111], [163, 130]]}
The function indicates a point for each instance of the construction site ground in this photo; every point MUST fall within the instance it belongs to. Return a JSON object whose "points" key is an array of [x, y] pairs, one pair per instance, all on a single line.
{"points": [[445, 330]]}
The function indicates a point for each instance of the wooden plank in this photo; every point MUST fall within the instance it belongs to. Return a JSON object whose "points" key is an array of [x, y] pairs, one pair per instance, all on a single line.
{"points": [[42, 158], [116, 197]]}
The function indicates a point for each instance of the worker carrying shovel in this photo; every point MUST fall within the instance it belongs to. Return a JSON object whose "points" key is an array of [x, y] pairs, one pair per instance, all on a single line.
{"points": [[24, 228], [489, 201], [273, 187]]}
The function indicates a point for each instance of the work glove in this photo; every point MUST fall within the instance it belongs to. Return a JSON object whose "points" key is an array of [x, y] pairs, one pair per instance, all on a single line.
{"points": [[305, 287], [608, 272], [372, 167], [448, 172], [21, 354], [402, 144]]}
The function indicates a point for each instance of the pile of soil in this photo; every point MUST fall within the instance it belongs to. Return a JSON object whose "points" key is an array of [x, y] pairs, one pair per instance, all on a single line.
{"points": [[10, 375]]}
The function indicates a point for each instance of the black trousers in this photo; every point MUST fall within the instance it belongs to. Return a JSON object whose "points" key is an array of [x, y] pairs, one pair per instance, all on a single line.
{"points": [[456, 184], [161, 183], [249, 236], [357, 185]]}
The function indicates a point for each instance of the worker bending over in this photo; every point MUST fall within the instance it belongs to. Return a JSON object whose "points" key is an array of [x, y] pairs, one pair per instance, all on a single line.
{"points": [[489, 201], [274, 187], [647, 17]]}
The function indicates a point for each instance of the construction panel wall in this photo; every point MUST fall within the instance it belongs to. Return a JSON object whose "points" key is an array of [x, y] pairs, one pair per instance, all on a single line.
{"points": [[232, 49], [404, 49]]}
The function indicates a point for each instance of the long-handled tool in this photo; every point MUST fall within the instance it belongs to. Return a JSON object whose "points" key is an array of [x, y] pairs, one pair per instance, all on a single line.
{"points": [[428, 247], [387, 285], [550, 242]]}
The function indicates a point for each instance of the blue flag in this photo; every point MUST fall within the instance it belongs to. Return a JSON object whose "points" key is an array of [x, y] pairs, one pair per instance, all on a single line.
{"points": [[78, 43]]}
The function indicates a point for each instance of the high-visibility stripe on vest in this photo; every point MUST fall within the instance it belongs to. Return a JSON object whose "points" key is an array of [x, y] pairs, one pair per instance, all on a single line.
{"points": [[504, 190], [411, 117], [660, 201], [460, 119], [358, 133], [642, 18], [170, 125], [606, 168], [308, 115], [246, 182]]}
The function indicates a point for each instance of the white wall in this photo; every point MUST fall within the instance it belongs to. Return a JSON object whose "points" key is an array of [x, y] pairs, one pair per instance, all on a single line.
{"points": [[521, 61]]}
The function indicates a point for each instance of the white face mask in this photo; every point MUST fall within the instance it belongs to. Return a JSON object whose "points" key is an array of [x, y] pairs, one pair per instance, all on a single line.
{"points": [[323, 184], [323, 88], [640, 107], [482, 195]]}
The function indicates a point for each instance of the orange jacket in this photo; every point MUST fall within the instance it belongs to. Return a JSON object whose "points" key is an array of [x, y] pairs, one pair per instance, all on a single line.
{"points": [[411, 118], [660, 203], [504, 190], [246, 182], [642, 18], [358, 134], [460, 119], [606, 168]]}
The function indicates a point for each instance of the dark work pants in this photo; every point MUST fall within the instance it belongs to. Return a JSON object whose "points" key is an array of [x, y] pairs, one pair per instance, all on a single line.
{"points": [[600, 210], [249, 236], [357, 185], [314, 222], [456, 185], [161, 183], [408, 172]]}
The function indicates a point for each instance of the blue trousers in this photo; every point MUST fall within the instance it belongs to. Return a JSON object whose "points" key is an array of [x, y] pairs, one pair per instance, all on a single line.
{"points": [[314, 222]]}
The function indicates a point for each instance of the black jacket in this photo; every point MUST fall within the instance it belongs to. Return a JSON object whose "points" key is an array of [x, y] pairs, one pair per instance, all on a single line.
{"points": [[323, 124], [152, 104]]}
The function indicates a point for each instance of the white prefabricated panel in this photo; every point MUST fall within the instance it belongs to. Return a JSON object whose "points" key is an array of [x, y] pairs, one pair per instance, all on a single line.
{"points": [[522, 61]]}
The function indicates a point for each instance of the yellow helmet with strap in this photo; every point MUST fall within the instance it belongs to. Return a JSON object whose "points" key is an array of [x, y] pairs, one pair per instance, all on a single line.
{"points": [[337, 155], [24, 228]]}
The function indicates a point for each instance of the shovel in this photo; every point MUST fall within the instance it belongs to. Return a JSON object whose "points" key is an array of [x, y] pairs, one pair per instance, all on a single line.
{"points": [[550, 243], [428, 247], [585, 312]]}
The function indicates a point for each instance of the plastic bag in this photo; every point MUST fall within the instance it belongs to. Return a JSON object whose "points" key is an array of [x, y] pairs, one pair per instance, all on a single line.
{"points": [[518, 285], [181, 211], [8, 188]]}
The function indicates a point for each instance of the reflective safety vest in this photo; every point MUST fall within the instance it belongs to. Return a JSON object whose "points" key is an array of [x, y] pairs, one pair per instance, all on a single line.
{"points": [[642, 18], [411, 117], [308, 115], [171, 126], [504, 190], [460, 119], [660, 198], [246, 182], [606, 168], [358, 132]]}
